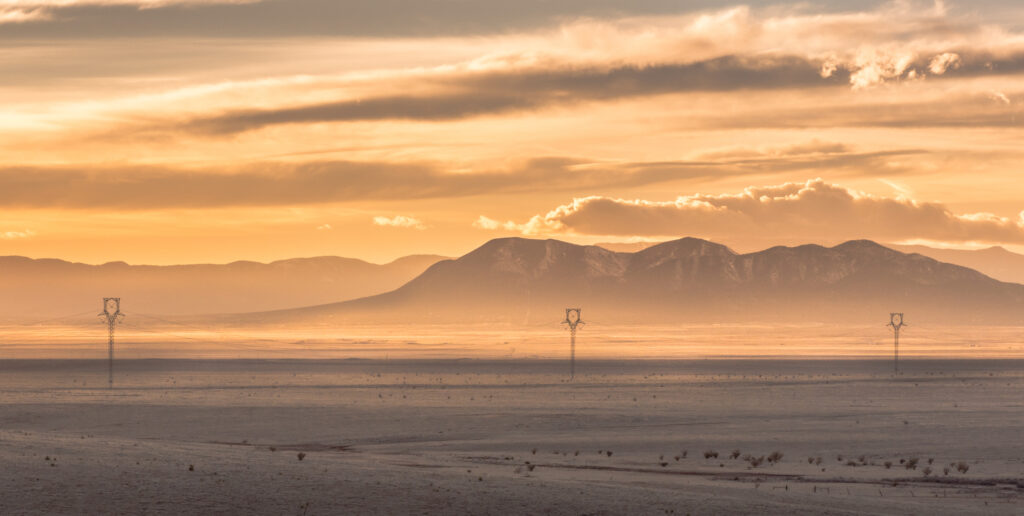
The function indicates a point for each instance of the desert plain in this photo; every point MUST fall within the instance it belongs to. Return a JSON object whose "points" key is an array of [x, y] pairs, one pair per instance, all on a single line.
{"points": [[392, 426]]}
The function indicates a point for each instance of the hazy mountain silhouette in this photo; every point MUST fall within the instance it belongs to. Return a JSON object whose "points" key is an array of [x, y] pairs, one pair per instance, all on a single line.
{"points": [[40, 288], [523, 281], [996, 261]]}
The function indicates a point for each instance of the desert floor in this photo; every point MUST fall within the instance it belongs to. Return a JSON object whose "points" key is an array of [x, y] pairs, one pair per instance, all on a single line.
{"points": [[511, 437]]}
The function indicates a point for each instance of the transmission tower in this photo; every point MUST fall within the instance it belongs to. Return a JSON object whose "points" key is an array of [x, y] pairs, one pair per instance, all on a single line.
{"points": [[112, 313], [572, 318], [896, 322]]}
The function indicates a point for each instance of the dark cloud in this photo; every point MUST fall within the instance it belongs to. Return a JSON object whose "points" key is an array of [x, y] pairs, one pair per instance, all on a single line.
{"points": [[278, 184], [366, 18], [493, 93]]}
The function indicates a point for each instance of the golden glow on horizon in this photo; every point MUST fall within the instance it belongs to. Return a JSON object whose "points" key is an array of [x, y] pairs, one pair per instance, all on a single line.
{"points": [[175, 148]]}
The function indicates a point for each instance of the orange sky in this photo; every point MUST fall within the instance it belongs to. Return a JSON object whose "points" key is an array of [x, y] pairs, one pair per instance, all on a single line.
{"points": [[213, 130]]}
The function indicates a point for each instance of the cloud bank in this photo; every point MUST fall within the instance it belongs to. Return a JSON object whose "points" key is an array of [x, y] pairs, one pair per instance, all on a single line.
{"points": [[814, 211]]}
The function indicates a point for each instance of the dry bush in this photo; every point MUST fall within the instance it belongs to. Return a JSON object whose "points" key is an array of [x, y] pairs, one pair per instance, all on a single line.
{"points": [[927, 471], [911, 464], [710, 454], [962, 467], [945, 470], [301, 455], [851, 463], [775, 457], [735, 454], [888, 464]]}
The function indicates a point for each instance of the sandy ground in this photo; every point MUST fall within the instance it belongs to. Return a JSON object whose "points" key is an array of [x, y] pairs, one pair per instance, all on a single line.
{"points": [[511, 437]]}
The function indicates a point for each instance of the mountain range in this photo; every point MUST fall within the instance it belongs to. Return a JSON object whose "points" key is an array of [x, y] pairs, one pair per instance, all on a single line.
{"points": [[524, 281], [37, 289]]}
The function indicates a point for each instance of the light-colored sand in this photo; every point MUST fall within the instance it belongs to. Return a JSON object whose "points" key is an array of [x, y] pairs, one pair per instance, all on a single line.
{"points": [[456, 436]]}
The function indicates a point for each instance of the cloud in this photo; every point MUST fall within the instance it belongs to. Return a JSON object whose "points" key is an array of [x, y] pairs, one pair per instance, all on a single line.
{"points": [[399, 221], [20, 11], [11, 235], [814, 211], [284, 183], [489, 93], [942, 62]]}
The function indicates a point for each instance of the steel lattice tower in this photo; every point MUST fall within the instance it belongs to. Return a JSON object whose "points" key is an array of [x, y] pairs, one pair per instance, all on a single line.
{"points": [[573, 317], [112, 314], [896, 322]]}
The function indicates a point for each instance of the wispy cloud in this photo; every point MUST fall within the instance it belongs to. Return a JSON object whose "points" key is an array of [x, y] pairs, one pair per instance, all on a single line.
{"points": [[285, 183], [399, 221], [11, 235], [20, 11]]}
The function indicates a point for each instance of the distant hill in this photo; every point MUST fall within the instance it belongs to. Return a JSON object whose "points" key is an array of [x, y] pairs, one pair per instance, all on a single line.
{"points": [[523, 281], [35, 289], [996, 262]]}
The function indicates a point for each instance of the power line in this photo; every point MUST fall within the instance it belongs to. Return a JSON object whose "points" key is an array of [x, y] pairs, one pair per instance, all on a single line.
{"points": [[113, 315], [573, 317], [896, 322]]}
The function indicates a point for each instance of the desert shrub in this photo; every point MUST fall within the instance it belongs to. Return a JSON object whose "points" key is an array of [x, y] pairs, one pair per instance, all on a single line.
{"points": [[810, 460], [911, 464], [775, 457], [609, 452], [945, 470], [710, 454], [927, 471], [851, 463], [301, 455], [817, 461], [735, 454], [888, 464], [962, 467]]}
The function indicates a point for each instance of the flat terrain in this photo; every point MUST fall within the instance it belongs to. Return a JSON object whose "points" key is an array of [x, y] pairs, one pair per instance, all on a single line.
{"points": [[512, 437]]}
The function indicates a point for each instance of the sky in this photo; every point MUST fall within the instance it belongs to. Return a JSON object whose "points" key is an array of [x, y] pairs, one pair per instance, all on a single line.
{"points": [[184, 131]]}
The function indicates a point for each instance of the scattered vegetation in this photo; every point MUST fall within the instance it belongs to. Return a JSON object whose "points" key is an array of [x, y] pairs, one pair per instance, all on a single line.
{"points": [[775, 457], [962, 467], [911, 464], [927, 471], [710, 454], [301, 455], [734, 455], [888, 464]]}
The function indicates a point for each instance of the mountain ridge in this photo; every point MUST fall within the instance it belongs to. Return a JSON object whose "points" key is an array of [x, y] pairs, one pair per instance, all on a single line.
{"points": [[689, 279]]}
